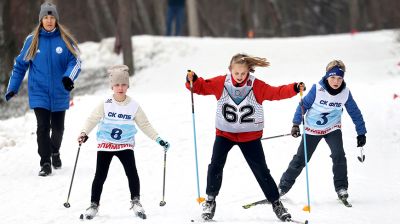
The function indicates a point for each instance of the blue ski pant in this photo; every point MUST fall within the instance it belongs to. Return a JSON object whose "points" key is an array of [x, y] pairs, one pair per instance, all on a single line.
{"points": [[339, 168], [255, 158]]}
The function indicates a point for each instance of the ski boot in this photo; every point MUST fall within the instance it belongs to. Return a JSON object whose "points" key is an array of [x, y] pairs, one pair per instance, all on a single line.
{"points": [[281, 192], [56, 161], [280, 211], [45, 170], [92, 210], [342, 194], [137, 208], [209, 209]]}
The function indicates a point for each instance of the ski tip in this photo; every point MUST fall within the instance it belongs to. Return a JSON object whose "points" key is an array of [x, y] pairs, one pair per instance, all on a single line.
{"points": [[81, 217]]}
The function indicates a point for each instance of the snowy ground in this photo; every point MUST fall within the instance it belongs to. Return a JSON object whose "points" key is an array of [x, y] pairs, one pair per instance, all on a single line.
{"points": [[373, 75]]}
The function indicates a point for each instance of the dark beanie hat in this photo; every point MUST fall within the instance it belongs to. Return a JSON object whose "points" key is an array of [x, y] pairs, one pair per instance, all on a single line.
{"points": [[48, 8], [334, 71]]}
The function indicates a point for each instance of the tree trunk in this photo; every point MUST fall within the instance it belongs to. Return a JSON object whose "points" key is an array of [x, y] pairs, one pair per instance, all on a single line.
{"points": [[106, 13], [354, 15], [96, 19], [144, 17], [124, 32], [193, 18], [8, 46]]}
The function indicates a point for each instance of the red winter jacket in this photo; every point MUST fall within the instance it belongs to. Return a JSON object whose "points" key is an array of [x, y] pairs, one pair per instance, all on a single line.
{"points": [[262, 91]]}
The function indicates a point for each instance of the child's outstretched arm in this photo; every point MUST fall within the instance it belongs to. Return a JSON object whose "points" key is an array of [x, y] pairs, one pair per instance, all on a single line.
{"points": [[144, 125], [91, 122], [358, 120], [213, 86]]}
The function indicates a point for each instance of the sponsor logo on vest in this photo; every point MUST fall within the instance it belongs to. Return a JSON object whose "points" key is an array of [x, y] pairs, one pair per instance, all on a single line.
{"points": [[123, 116], [323, 132], [332, 104], [113, 146]]}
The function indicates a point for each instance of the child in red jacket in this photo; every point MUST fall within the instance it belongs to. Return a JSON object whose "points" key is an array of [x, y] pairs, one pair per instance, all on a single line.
{"points": [[240, 121]]}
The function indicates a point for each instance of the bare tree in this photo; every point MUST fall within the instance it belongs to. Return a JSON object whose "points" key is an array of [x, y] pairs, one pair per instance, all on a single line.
{"points": [[124, 32], [354, 15], [193, 18], [144, 17]]}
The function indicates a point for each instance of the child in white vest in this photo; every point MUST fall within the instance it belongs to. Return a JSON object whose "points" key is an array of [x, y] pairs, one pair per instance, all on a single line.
{"points": [[323, 108], [116, 117]]}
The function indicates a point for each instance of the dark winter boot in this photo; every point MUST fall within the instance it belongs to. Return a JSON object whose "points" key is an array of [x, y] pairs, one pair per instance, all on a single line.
{"points": [[46, 170], [342, 194], [56, 161], [280, 211], [209, 209]]}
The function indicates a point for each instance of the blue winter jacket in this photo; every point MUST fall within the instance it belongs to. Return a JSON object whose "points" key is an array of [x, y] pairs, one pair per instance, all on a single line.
{"points": [[351, 107], [52, 62]]}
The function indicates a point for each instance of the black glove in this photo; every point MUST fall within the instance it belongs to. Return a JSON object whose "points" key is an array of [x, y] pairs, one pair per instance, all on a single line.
{"points": [[297, 87], [82, 138], [194, 76], [68, 83], [295, 131], [9, 95], [361, 140]]}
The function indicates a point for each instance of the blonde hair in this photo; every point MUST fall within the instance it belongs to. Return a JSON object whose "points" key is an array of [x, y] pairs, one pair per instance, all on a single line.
{"points": [[335, 63], [69, 40], [250, 61]]}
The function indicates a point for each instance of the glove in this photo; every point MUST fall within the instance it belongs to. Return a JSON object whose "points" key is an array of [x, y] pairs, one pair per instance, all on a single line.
{"points": [[295, 131], [163, 143], [9, 95], [68, 83], [361, 140], [298, 85], [191, 76], [82, 138]]}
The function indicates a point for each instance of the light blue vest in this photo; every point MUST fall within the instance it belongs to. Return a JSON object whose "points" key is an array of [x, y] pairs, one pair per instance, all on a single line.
{"points": [[117, 130], [325, 114]]}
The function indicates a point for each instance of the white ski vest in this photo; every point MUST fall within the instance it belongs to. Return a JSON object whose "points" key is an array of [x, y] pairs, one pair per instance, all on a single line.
{"points": [[117, 130], [238, 110], [325, 114]]}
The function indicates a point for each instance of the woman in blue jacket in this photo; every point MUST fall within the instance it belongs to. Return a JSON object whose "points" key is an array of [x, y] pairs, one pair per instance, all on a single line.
{"points": [[323, 109], [51, 55]]}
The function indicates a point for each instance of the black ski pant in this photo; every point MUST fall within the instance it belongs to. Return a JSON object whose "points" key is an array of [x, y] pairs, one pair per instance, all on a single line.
{"points": [[255, 158], [127, 159], [49, 122], [339, 168]]}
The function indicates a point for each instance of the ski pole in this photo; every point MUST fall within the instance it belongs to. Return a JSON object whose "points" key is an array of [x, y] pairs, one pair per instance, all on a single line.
{"points": [[162, 203], [199, 199], [276, 136], [306, 208], [66, 204]]}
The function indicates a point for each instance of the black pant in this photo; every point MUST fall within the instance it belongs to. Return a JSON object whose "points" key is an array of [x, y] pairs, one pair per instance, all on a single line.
{"points": [[127, 159], [46, 121], [339, 168], [254, 155]]}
